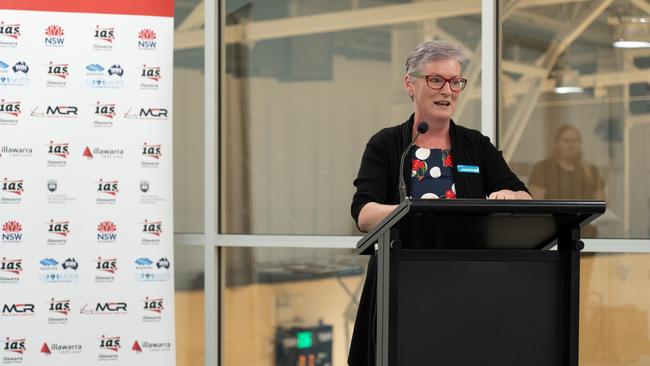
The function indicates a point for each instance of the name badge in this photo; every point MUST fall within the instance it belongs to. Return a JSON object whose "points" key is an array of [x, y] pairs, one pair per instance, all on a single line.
{"points": [[468, 169]]}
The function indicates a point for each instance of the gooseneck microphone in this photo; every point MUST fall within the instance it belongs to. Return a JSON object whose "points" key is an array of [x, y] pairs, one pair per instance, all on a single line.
{"points": [[423, 127]]}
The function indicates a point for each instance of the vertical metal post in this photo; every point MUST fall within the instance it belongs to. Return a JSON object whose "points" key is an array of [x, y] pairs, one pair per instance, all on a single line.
{"points": [[383, 298], [489, 68], [571, 244]]}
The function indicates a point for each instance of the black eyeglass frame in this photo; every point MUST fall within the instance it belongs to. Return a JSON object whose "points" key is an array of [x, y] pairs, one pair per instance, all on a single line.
{"points": [[426, 78]]}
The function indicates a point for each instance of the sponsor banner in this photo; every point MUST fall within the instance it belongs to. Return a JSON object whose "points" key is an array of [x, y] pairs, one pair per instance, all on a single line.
{"points": [[86, 221]]}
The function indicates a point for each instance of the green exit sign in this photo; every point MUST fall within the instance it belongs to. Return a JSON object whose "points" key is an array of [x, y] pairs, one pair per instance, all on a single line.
{"points": [[304, 340]]}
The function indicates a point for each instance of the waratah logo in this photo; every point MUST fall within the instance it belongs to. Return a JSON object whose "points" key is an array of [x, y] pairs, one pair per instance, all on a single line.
{"points": [[10, 30], [106, 231], [12, 232], [12, 227], [21, 66], [54, 31], [95, 68], [116, 70], [147, 34]]}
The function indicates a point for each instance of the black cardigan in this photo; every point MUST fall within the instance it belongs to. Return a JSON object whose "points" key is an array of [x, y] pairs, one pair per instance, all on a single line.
{"points": [[377, 182]]}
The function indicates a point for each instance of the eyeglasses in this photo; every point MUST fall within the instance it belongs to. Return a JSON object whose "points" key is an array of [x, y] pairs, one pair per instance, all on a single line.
{"points": [[437, 82]]}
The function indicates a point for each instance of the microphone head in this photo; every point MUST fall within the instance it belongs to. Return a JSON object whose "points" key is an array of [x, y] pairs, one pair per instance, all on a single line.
{"points": [[423, 127]]}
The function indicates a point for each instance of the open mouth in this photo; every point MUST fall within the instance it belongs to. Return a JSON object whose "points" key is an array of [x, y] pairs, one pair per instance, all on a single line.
{"points": [[442, 103]]}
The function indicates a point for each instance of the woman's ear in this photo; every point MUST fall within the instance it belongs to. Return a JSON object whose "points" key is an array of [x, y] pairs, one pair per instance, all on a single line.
{"points": [[408, 86]]}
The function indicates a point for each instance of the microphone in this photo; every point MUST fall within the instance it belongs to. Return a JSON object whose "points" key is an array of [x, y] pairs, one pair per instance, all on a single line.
{"points": [[423, 127]]}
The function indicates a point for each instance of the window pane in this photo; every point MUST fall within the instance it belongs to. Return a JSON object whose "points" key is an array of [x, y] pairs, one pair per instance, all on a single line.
{"points": [[283, 303], [188, 117], [188, 300], [614, 309], [306, 84], [588, 141]]}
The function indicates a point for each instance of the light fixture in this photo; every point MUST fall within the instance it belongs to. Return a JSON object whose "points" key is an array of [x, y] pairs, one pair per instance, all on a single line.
{"points": [[632, 31], [567, 81]]}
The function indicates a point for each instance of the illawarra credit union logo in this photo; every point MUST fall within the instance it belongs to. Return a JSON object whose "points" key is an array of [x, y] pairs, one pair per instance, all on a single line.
{"points": [[54, 36], [106, 232], [12, 232], [151, 346], [16, 151], [147, 39], [60, 348]]}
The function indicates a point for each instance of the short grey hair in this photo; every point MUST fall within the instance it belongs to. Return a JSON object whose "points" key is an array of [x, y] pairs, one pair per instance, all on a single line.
{"points": [[432, 51]]}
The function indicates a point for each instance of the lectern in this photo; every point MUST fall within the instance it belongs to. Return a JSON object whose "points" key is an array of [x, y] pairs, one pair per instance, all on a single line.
{"points": [[476, 282]]}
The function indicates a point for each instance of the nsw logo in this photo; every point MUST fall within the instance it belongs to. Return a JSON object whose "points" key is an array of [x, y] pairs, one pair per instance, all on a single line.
{"points": [[147, 39], [54, 36], [106, 232], [12, 232]]}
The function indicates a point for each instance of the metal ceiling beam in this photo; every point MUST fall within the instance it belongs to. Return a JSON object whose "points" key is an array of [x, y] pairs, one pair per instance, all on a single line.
{"points": [[194, 20], [559, 44], [642, 4]]}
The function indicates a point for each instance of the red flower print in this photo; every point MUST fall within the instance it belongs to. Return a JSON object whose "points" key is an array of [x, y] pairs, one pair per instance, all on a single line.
{"points": [[447, 160], [450, 194], [418, 168]]}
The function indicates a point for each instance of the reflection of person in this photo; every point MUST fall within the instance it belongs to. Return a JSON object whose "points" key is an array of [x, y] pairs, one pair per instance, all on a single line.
{"points": [[448, 161], [565, 175]]}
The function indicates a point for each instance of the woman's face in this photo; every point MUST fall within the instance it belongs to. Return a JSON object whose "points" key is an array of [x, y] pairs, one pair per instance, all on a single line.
{"points": [[568, 145], [435, 105]]}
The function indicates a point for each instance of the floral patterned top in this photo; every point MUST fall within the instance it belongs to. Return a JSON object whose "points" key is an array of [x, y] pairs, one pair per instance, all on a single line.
{"points": [[431, 173]]}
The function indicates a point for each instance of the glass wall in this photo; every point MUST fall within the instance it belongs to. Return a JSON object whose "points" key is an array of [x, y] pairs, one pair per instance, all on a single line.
{"points": [[288, 306], [306, 84], [575, 109]]}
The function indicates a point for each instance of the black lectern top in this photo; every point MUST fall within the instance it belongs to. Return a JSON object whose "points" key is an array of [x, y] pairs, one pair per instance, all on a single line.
{"points": [[482, 223]]}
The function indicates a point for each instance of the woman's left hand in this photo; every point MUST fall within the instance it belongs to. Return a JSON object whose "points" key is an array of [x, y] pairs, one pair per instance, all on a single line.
{"points": [[506, 194]]}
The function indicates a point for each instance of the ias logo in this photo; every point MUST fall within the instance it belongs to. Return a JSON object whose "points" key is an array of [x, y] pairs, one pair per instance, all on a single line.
{"points": [[11, 31], [106, 232], [147, 39], [109, 187], [9, 108], [14, 266], [151, 73], [58, 70], [61, 228], [12, 232], [54, 36], [106, 35], [106, 111], [106, 265], [109, 343], [154, 305], [58, 149], [151, 151], [12, 187], [14, 345], [152, 227], [59, 306]]}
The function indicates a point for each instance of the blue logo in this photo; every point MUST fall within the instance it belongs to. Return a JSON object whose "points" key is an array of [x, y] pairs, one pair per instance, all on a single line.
{"points": [[474, 169], [70, 263], [143, 261], [3, 65], [48, 262], [94, 68], [21, 66], [116, 70]]}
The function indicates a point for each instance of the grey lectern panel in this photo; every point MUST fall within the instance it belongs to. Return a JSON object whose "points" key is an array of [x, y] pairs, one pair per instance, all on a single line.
{"points": [[501, 309]]}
